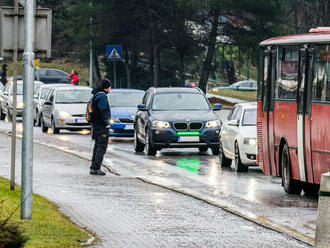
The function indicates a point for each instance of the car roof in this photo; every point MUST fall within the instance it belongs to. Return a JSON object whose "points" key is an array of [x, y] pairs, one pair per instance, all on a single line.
{"points": [[54, 85], [126, 90], [21, 82], [176, 90], [72, 87], [247, 105]]}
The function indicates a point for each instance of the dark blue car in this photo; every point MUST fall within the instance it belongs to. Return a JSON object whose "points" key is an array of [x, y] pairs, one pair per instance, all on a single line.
{"points": [[176, 117], [123, 105]]}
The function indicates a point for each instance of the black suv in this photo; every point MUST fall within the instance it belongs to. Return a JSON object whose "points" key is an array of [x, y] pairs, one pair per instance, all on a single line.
{"points": [[176, 117]]}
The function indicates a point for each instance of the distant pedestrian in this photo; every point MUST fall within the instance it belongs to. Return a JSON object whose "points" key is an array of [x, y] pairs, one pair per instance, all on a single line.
{"points": [[3, 74], [74, 77], [100, 125]]}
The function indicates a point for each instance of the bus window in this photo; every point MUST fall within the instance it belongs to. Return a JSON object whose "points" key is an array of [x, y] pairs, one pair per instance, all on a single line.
{"points": [[321, 82], [287, 82]]}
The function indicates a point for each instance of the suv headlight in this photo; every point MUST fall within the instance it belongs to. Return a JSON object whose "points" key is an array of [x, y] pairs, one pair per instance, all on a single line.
{"points": [[161, 124], [64, 115], [250, 141], [20, 105], [113, 120], [213, 124]]}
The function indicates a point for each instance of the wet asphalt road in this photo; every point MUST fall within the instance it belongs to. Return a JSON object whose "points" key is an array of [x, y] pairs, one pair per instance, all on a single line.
{"points": [[126, 212], [187, 169]]}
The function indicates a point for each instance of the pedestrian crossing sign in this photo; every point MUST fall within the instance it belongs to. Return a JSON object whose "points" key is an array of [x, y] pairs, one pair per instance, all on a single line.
{"points": [[114, 52]]}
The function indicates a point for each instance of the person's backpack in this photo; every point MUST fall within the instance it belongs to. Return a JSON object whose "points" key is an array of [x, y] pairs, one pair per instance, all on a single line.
{"points": [[89, 116], [89, 111]]}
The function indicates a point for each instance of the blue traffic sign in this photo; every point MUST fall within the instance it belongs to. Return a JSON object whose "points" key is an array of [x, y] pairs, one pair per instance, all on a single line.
{"points": [[114, 52]]}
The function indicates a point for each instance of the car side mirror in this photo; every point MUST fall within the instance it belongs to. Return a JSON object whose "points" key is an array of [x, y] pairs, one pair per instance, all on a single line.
{"points": [[142, 107], [233, 123], [217, 107], [48, 103]]}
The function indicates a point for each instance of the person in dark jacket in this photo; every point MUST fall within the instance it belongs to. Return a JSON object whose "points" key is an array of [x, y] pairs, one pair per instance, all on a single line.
{"points": [[100, 125], [3, 74]]}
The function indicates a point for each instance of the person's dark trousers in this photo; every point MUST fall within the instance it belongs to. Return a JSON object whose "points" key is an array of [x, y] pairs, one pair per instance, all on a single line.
{"points": [[100, 147]]}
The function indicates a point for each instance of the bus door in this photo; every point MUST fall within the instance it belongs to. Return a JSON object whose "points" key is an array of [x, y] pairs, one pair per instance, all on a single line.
{"points": [[304, 114], [268, 113]]}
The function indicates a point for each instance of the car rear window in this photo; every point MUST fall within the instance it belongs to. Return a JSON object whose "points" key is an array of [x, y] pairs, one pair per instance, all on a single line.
{"points": [[180, 101], [125, 99], [250, 117]]}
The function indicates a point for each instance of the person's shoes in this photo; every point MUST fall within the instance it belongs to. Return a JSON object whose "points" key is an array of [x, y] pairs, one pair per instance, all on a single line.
{"points": [[97, 172]]}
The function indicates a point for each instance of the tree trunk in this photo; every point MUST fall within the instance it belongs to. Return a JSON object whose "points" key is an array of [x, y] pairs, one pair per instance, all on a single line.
{"points": [[128, 62], [182, 78], [156, 65], [96, 69], [210, 51]]}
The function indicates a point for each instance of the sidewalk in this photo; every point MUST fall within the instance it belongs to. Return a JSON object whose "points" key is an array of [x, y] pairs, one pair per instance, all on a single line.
{"points": [[125, 212], [227, 99]]}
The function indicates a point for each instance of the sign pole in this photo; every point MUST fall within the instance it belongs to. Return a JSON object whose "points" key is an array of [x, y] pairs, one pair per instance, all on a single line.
{"points": [[28, 95], [14, 114], [114, 75], [90, 47]]}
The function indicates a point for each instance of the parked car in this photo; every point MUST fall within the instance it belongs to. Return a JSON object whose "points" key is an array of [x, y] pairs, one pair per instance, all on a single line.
{"points": [[6, 99], [65, 108], [248, 85], [238, 137], [40, 97], [176, 117], [123, 103], [52, 76], [48, 76]]}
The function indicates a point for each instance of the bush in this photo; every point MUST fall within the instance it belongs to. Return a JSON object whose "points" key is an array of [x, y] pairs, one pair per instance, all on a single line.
{"points": [[10, 235]]}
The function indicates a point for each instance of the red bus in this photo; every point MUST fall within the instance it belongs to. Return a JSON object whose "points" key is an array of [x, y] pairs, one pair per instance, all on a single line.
{"points": [[293, 120]]}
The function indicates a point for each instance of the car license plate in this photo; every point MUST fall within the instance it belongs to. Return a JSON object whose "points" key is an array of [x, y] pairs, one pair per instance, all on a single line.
{"points": [[188, 138], [80, 121], [129, 127]]}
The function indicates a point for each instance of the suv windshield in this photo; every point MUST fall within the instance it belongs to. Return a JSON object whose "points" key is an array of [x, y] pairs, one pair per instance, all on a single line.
{"points": [[180, 101], [125, 99], [73, 96], [250, 117]]}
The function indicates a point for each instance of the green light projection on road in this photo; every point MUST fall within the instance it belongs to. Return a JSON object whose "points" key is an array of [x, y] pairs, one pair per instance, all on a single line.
{"points": [[192, 165]]}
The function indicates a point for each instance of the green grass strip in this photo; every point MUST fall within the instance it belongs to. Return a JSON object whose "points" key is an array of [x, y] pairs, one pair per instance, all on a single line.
{"points": [[48, 226]]}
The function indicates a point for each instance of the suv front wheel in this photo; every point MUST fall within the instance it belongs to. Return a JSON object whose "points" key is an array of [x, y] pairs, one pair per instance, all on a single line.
{"points": [[138, 146], [150, 149]]}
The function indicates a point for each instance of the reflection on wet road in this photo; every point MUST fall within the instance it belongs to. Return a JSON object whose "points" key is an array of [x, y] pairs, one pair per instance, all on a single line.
{"points": [[190, 169]]}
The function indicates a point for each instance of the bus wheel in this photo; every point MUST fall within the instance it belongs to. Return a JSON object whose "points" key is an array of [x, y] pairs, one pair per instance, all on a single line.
{"points": [[290, 185]]}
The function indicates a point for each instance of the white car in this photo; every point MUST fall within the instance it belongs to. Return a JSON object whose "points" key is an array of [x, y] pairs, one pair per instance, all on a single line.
{"points": [[65, 108], [40, 97], [238, 137], [6, 99]]}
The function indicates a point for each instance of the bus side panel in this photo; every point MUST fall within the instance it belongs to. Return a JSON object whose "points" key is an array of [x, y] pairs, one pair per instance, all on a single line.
{"points": [[320, 140], [260, 134], [277, 135], [271, 143], [286, 127], [308, 152]]}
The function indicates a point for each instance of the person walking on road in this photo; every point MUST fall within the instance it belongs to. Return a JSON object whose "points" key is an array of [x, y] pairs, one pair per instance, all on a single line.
{"points": [[74, 77], [3, 74], [100, 125]]}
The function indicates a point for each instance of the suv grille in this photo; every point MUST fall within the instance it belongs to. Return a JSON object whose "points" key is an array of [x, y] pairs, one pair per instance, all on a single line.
{"points": [[125, 120], [195, 125], [181, 126]]}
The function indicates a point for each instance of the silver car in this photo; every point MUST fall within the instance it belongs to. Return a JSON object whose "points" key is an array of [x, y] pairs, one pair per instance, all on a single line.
{"points": [[238, 137], [6, 99], [65, 108], [40, 97]]}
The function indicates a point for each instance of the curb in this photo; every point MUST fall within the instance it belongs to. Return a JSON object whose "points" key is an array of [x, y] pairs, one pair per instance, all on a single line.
{"points": [[259, 220]]}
